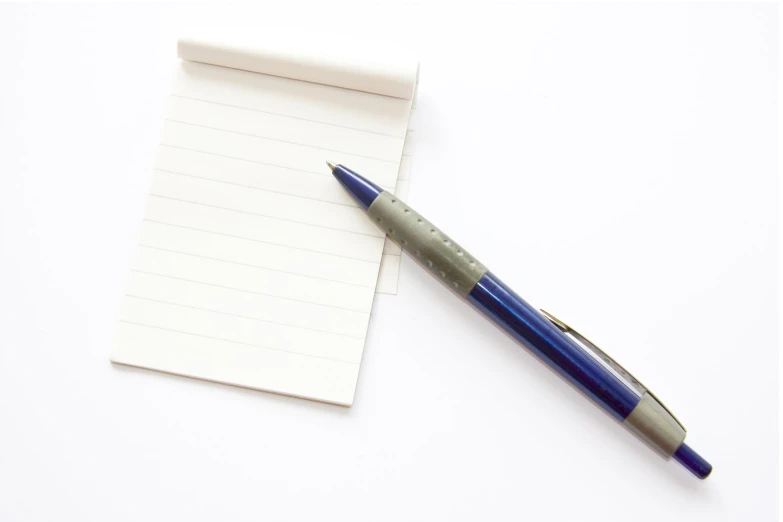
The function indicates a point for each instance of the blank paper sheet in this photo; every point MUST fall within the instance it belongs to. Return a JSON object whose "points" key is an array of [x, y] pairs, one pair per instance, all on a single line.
{"points": [[254, 267]]}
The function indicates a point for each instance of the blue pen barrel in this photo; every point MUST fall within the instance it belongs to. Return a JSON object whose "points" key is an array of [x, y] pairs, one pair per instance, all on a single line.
{"points": [[526, 324]]}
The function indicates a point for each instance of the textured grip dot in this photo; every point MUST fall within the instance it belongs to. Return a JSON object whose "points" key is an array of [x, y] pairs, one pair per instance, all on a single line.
{"points": [[433, 249]]}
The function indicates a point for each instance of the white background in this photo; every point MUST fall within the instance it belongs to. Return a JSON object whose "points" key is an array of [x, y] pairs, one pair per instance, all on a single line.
{"points": [[616, 165]]}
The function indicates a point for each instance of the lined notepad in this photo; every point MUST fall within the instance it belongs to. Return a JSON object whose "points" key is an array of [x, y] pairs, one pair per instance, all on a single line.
{"points": [[254, 267]]}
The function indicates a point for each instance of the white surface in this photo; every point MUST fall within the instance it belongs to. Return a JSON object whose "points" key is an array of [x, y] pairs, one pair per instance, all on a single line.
{"points": [[254, 267], [636, 148]]}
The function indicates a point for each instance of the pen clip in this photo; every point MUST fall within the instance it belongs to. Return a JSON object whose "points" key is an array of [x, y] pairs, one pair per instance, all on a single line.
{"points": [[623, 374]]}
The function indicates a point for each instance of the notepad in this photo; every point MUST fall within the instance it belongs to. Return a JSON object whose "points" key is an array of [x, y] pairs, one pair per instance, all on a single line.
{"points": [[254, 267]]}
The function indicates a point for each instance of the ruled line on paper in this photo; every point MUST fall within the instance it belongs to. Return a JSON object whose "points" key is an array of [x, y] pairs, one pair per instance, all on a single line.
{"points": [[224, 326], [250, 291], [260, 241], [244, 159], [255, 266], [261, 255], [264, 229], [278, 140], [288, 116], [288, 325], [316, 209], [240, 342], [326, 175], [268, 216], [287, 287], [258, 188], [160, 288]]}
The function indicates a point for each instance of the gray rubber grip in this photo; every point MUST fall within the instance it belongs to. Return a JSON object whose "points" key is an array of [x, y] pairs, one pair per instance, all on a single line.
{"points": [[433, 249]]}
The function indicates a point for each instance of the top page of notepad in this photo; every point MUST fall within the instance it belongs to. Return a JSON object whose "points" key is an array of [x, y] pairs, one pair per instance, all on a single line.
{"points": [[253, 267]]}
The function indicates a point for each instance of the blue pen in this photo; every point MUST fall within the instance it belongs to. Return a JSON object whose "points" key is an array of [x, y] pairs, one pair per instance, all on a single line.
{"points": [[566, 351]]}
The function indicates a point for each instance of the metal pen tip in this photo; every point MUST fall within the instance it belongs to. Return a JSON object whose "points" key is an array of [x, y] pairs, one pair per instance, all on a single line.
{"points": [[332, 166]]}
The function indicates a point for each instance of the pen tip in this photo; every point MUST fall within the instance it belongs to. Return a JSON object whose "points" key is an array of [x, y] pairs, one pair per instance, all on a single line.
{"points": [[332, 166]]}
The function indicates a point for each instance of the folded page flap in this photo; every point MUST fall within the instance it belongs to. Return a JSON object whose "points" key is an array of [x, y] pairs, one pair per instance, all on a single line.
{"points": [[357, 66]]}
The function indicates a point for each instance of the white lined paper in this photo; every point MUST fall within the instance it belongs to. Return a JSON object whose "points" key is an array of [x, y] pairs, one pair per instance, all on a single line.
{"points": [[310, 211], [242, 302], [253, 266], [260, 228], [265, 255]]}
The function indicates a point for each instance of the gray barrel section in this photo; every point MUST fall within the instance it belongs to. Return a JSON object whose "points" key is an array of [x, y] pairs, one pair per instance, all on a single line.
{"points": [[653, 423]]}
